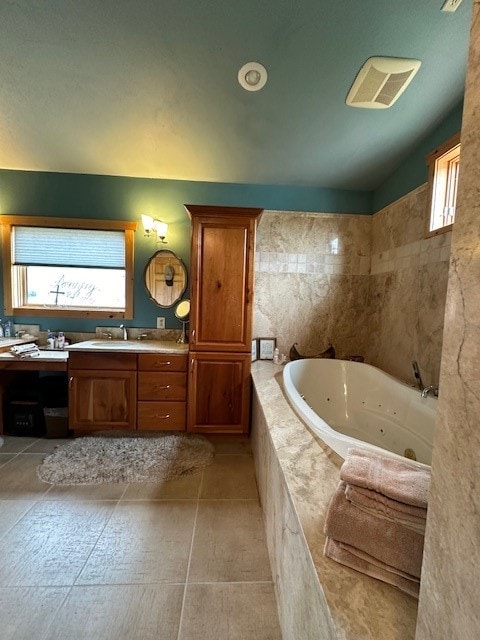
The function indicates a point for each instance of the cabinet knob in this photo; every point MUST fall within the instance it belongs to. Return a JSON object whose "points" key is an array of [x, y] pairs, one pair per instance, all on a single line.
{"points": [[165, 417], [162, 364], [162, 386]]}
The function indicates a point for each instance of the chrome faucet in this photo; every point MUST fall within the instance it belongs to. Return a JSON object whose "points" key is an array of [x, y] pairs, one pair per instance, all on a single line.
{"points": [[125, 334], [432, 388]]}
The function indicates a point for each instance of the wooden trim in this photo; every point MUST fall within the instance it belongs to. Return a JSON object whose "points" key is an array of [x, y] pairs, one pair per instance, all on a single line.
{"points": [[7, 269], [129, 274], [67, 313], [430, 160], [128, 227], [221, 212], [453, 141], [69, 223]]}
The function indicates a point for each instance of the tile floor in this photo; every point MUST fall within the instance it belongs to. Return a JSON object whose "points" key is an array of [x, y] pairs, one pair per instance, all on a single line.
{"points": [[181, 560]]}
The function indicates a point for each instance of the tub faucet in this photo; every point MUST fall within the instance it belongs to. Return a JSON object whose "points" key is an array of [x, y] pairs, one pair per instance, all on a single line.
{"points": [[432, 388], [125, 334], [417, 376]]}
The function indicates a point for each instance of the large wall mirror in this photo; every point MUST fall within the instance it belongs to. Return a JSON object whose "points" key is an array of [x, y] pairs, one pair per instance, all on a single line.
{"points": [[165, 278]]}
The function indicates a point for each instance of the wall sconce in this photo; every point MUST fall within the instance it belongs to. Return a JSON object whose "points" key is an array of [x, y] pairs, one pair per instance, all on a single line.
{"points": [[153, 227]]}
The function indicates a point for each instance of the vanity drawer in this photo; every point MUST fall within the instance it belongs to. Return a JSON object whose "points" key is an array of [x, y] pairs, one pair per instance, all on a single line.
{"points": [[111, 361], [162, 362], [164, 416], [162, 386]]}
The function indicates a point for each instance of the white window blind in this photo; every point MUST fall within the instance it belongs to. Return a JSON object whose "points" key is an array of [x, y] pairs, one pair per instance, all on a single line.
{"points": [[68, 247]]}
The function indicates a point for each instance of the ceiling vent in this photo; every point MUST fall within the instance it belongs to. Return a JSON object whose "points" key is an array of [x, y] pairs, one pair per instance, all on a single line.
{"points": [[381, 81]]}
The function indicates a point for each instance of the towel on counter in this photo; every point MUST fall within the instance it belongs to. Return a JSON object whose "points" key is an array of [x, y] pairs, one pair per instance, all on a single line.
{"points": [[29, 350], [389, 542], [401, 481], [350, 557], [387, 509]]}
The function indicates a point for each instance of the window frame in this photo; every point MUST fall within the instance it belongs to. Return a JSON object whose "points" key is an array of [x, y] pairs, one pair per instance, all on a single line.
{"points": [[431, 161], [9, 221]]}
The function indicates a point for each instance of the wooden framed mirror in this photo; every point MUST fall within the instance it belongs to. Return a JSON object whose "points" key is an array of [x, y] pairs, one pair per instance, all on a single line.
{"points": [[165, 278]]}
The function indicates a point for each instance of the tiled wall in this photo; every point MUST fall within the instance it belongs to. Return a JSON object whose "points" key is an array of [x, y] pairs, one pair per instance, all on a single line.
{"points": [[373, 286], [408, 285], [312, 280]]}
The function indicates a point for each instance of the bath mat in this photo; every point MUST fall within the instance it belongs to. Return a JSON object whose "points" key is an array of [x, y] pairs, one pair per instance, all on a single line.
{"points": [[110, 458]]}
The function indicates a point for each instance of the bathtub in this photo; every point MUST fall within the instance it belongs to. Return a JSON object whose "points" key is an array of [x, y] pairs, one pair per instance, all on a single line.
{"points": [[351, 404]]}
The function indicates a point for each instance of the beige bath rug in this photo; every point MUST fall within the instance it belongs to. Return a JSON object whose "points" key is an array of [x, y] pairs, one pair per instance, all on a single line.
{"points": [[140, 458]]}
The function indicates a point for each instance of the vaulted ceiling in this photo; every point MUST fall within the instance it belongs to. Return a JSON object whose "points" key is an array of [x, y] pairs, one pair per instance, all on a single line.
{"points": [[149, 88]]}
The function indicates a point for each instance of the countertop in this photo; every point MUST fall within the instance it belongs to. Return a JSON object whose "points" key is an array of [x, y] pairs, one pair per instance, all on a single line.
{"points": [[130, 346]]}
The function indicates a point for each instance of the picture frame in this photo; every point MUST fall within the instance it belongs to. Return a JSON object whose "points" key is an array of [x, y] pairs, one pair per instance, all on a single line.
{"points": [[254, 349], [266, 348]]}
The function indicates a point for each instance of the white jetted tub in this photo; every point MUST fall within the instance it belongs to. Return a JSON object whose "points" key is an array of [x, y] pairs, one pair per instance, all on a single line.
{"points": [[350, 404]]}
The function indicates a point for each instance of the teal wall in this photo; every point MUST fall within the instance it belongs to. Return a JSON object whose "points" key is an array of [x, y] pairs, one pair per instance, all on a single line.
{"points": [[108, 197], [412, 172]]}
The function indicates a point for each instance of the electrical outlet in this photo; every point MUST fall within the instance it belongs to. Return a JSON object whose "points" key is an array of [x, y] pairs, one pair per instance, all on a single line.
{"points": [[160, 322]]}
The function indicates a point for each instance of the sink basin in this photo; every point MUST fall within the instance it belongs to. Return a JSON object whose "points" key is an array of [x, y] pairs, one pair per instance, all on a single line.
{"points": [[108, 344]]}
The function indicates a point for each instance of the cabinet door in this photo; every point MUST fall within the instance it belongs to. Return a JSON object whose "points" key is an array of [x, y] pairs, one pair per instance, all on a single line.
{"points": [[222, 265], [219, 392], [102, 399]]}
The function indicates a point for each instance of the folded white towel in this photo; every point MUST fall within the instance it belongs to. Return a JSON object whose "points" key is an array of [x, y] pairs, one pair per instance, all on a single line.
{"points": [[21, 348]]}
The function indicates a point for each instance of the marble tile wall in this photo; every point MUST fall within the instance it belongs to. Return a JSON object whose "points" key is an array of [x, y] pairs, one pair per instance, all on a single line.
{"points": [[373, 286], [407, 288], [312, 281], [448, 606]]}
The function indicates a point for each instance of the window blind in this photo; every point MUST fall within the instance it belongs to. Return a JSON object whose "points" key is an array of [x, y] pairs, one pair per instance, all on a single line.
{"points": [[68, 247]]}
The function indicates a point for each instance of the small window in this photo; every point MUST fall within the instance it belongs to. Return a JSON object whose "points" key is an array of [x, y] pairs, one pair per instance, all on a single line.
{"points": [[62, 267], [443, 172]]}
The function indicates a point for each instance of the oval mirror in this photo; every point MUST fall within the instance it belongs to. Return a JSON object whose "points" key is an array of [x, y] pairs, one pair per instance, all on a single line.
{"points": [[165, 278]]}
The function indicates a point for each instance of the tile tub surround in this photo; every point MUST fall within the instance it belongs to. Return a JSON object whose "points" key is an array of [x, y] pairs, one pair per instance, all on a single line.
{"points": [[374, 286], [297, 475], [407, 289], [316, 266], [174, 560]]}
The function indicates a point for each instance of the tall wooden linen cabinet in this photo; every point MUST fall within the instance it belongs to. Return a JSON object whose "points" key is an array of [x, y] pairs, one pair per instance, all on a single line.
{"points": [[222, 274]]}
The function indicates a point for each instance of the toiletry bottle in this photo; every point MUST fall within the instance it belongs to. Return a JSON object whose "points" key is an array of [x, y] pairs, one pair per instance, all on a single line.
{"points": [[50, 340], [61, 340], [276, 356], [1, 328], [8, 329]]}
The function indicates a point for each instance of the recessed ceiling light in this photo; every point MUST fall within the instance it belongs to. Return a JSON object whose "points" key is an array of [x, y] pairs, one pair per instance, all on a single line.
{"points": [[252, 76]]}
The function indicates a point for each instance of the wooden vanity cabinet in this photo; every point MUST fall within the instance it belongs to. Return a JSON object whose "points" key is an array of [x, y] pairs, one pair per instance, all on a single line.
{"points": [[219, 392], [222, 279], [162, 392], [102, 391]]}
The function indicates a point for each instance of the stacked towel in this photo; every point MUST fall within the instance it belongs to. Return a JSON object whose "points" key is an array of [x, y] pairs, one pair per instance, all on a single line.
{"points": [[376, 519], [29, 350]]}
